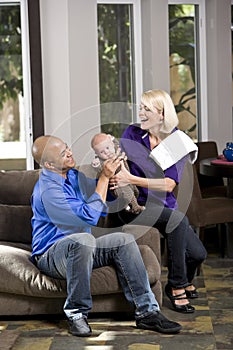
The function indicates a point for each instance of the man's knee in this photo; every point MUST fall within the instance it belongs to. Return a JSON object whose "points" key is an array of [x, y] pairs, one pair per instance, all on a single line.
{"points": [[121, 238], [83, 239]]}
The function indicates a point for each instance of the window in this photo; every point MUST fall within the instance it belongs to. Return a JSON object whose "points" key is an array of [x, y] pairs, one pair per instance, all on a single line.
{"points": [[15, 130], [187, 77], [119, 80]]}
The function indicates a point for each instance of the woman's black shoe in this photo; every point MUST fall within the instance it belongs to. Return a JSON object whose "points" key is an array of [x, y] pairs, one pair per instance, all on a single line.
{"points": [[192, 294], [185, 309]]}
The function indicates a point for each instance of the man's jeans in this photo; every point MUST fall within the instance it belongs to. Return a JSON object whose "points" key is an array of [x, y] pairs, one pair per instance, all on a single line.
{"points": [[73, 257]]}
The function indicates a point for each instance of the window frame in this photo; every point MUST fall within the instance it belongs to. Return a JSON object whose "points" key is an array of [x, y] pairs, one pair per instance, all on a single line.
{"points": [[26, 82], [34, 43], [13, 150], [32, 81]]}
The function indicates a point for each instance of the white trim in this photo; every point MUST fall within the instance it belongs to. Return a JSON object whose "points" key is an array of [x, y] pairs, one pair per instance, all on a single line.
{"points": [[26, 82], [116, 1], [8, 150], [203, 71], [138, 50], [188, 2], [9, 2]]}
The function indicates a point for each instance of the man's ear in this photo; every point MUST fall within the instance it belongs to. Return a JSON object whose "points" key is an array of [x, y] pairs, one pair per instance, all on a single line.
{"points": [[48, 165]]}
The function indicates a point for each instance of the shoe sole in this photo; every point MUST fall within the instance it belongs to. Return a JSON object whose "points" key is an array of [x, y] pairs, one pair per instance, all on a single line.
{"points": [[81, 334], [183, 311], [192, 297], [160, 330]]}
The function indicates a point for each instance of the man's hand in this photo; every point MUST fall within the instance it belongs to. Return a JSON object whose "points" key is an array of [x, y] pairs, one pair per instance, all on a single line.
{"points": [[110, 166]]}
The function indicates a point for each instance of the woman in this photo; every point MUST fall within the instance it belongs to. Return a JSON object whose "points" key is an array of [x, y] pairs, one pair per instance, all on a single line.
{"points": [[158, 121]]}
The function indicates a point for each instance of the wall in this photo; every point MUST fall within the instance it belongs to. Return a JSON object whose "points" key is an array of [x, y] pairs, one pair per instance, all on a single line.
{"points": [[219, 79], [70, 71], [155, 45], [70, 66]]}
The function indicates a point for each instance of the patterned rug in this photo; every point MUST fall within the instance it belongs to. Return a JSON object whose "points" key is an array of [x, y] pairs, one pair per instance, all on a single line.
{"points": [[210, 327]]}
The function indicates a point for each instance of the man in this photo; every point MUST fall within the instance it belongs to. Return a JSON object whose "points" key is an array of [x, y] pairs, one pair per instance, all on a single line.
{"points": [[65, 205]]}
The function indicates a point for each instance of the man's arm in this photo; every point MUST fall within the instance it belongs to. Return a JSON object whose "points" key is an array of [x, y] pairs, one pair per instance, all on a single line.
{"points": [[109, 168]]}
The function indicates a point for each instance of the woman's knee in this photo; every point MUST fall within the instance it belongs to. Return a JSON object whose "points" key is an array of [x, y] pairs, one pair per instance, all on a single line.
{"points": [[202, 254], [177, 222]]}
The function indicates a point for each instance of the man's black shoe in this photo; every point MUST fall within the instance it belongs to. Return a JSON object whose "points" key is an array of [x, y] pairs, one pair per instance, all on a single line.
{"points": [[80, 327], [159, 323]]}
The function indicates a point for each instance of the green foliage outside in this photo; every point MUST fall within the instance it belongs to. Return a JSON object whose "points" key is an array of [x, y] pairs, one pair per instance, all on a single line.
{"points": [[114, 53], [115, 72], [182, 45], [11, 79]]}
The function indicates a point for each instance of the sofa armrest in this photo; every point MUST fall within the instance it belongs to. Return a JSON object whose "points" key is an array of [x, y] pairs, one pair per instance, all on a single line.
{"points": [[145, 235]]}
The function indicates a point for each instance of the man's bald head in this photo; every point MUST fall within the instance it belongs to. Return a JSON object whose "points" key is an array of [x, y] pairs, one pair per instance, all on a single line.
{"points": [[43, 147]]}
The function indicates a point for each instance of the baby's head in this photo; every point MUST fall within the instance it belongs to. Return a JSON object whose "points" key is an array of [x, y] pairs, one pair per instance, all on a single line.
{"points": [[103, 146]]}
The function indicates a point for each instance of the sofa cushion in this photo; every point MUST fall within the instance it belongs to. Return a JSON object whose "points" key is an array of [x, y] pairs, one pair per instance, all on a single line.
{"points": [[20, 276], [15, 223]]}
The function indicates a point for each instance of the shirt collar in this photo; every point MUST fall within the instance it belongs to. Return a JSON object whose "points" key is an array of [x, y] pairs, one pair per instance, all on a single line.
{"points": [[54, 176]]}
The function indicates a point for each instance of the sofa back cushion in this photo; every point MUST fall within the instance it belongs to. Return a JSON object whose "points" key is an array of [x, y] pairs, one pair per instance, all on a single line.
{"points": [[15, 223], [16, 186], [15, 210]]}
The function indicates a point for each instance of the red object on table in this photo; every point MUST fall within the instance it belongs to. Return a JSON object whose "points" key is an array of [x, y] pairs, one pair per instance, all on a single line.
{"points": [[221, 160]]}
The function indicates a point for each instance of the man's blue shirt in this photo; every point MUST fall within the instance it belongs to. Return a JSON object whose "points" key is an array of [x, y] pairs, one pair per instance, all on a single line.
{"points": [[62, 207]]}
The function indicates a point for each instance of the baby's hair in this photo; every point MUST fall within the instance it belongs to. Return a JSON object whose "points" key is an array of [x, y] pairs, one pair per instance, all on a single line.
{"points": [[96, 137]]}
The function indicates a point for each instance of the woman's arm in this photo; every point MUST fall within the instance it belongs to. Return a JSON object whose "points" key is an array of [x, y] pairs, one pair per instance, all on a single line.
{"points": [[124, 177]]}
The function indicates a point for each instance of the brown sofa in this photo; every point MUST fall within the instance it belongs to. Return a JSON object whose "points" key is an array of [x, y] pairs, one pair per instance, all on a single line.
{"points": [[26, 291]]}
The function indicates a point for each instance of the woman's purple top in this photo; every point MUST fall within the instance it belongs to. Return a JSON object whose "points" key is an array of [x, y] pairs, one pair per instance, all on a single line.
{"points": [[136, 144]]}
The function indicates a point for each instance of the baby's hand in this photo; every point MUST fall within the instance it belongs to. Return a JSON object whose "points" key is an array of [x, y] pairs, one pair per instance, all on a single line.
{"points": [[120, 154], [124, 156], [96, 162]]}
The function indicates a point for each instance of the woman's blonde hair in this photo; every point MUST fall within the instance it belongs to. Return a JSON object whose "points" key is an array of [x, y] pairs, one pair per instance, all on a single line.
{"points": [[163, 102]]}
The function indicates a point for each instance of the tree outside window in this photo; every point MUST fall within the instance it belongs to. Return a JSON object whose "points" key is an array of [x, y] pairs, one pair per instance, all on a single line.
{"points": [[11, 80], [116, 67], [183, 70]]}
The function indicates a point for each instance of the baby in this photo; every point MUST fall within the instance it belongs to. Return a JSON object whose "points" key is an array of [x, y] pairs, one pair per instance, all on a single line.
{"points": [[105, 147]]}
